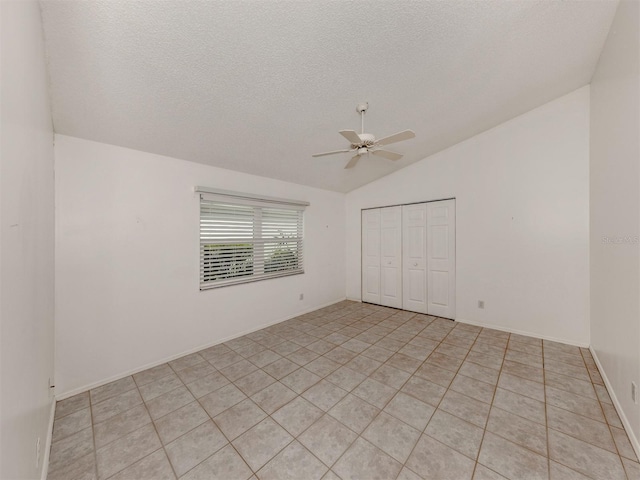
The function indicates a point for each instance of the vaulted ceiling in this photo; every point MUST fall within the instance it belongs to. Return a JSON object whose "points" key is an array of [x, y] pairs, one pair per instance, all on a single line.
{"points": [[259, 86]]}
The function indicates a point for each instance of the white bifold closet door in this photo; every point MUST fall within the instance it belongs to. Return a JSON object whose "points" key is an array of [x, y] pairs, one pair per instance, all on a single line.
{"points": [[391, 257], [371, 256], [441, 258], [414, 257], [408, 257]]}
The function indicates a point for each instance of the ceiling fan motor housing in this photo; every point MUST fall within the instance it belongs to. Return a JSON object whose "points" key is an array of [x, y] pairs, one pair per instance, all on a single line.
{"points": [[366, 139]]}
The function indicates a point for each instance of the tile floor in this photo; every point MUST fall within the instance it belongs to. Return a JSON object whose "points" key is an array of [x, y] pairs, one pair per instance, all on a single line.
{"points": [[352, 391]]}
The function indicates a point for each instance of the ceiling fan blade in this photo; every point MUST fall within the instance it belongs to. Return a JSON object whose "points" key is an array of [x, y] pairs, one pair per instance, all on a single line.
{"points": [[329, 153], [396, 137], [351, 136], [387, 154], [353, 161]]}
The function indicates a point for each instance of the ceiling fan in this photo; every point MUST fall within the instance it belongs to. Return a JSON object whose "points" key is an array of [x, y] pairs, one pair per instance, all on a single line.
{"points": [[365, 143]]}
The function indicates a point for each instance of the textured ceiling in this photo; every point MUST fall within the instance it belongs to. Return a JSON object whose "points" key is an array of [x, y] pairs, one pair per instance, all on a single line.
{"points": [[258, 86]]}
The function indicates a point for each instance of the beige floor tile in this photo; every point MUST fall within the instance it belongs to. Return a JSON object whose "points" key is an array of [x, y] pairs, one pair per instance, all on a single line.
{"points": [[112, 389], [574, 403], [70, 449], [116, 456], [273, 397], [478, 372], [483, 473], [264, 358], [392, 436], [520, 405], [570, 384], [70, 424], [260, 444], [293, 463], [225, 464], [83, 468], [632, 469], [152, 374], [327, 439], [186, 361], [363, 365], [72, 404], [324, 395], [205, 385], [354, 413], [524, 387], [192, 448], [511, 460], [363, 460], [120, 425], [300, 380], [193, 373], [390, 376], [611, 415], [340, 355], [297, 416], [518, 430], [523, 371], [374, 392], [152, 467], [322, 366], [473, 388], [238, 370], [455, 433], [582, 428], [585, 458], [239, 418], [466, 408], [346, 378], [168, 402], [424, 390], [180, 421], [623, 444], [560, 472], [154, 389], [410, 410], [115, 405], [217, 402], [435, 460]]}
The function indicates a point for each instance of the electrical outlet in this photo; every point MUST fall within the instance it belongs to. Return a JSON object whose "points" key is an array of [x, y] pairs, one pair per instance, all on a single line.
{"points": [[480, 303], [634, 392], [38, 452], [302, 296]]}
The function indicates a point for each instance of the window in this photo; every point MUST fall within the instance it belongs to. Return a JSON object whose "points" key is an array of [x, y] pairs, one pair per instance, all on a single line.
{"points": [[245, 239]]}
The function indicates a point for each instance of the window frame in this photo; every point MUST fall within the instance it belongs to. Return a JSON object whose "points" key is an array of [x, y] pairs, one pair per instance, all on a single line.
{"points": [[259, 204]]}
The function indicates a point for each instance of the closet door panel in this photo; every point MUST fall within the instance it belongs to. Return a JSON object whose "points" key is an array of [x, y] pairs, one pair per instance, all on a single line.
{"points": [[441, 261], [371, 256], [391, 257], [414, 257]]}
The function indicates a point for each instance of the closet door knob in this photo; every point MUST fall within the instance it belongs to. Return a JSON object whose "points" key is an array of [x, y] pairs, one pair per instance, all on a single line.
{"points": [[415, 264]]}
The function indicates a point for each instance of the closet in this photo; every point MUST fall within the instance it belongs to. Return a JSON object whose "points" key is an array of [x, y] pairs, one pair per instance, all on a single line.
{"points": [[408, 257]]}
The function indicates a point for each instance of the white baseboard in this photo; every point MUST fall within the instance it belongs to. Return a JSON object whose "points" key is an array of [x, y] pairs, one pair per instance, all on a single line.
{"points": [[84, 388], [47, 444], [522, 332], [627, 426]]}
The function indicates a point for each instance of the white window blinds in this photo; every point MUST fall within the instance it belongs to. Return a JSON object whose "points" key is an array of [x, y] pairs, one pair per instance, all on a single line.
{"points": [[245, 239]]}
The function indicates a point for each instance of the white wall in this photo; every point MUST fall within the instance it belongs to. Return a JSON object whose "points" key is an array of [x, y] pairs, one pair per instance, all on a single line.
{"points": [[615, 209], [127, 278], [27, 242], [522, 206]]}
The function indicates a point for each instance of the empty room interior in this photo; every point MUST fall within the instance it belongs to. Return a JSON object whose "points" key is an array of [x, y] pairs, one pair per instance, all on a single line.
{"points": [[320, 240]]}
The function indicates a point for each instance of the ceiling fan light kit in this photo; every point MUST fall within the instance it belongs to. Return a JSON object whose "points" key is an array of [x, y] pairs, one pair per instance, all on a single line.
{"points": [[365, 143]]}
